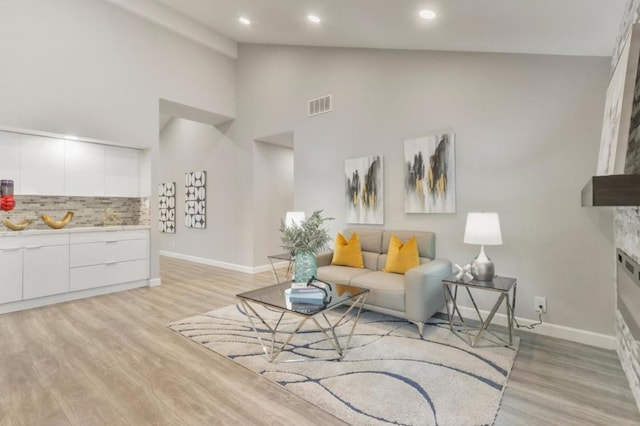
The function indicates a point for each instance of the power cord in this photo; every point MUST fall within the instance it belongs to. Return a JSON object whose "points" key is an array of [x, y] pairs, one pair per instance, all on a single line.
{"points": [[530, 326]]}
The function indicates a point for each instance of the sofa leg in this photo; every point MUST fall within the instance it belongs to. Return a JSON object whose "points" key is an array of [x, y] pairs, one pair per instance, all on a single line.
{"points": [[420, 328]]}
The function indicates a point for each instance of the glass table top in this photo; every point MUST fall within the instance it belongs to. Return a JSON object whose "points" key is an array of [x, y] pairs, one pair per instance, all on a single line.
{"points": [[498, 283], [277, 296], [281, 256]]}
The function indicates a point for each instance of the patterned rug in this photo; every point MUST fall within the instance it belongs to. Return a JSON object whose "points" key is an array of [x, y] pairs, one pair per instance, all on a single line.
{"points": [[388, 376]]}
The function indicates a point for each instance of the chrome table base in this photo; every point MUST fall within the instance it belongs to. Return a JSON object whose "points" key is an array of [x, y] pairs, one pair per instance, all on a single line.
{"points": [[274, 348]]}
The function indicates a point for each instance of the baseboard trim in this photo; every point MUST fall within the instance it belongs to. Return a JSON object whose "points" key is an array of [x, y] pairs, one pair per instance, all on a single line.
{"points": [[217, 263], [155, 282], [577, 335], [67, 297]]}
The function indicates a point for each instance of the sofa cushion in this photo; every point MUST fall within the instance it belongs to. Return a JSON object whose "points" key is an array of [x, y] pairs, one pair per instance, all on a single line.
{"points": [[370, 238], [347, 253], [387, 290], [402, 256], [339, 274], [382, 260], [426, 241]]}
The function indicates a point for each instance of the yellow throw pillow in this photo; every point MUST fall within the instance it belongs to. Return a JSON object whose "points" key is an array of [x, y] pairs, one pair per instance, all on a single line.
{"points": [[402, 257], [347, 253]]}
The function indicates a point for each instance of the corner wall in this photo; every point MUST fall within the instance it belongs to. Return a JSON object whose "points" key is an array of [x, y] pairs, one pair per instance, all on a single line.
{"points": [[527, 131]]}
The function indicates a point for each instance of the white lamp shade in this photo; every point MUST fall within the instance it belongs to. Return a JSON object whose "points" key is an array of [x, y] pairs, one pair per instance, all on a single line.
{"points": [[483, 229], [294, 218]]}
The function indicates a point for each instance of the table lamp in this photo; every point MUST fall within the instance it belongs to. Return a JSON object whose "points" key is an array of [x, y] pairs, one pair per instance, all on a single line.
{"points": [[483, 229], [294, 218]]}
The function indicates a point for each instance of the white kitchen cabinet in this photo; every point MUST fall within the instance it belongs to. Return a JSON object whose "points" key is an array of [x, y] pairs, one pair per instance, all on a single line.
{"points": [[45, 265], [42, 165], [11, 270], [84, 169], [122, 172], [105, 258], [10, 159]]}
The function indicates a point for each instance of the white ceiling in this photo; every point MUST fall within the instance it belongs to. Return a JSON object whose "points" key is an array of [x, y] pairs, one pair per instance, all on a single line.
{"points": [[563, 27]]}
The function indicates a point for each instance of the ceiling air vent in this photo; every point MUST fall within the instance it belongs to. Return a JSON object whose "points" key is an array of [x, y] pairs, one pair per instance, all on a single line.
{"points": [[319, 105]]}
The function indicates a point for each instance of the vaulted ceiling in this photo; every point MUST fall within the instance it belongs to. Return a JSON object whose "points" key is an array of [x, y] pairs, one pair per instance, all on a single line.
{"points": [[561, 27]]}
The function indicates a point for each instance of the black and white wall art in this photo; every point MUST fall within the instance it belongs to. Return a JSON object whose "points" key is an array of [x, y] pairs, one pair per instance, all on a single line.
{"points": [[429, 175], [364, 195], [195, 213], [167, 207]]}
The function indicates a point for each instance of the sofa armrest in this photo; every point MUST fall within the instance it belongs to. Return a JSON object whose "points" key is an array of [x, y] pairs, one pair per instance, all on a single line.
{"points": [[324, 259], [424, 294]]}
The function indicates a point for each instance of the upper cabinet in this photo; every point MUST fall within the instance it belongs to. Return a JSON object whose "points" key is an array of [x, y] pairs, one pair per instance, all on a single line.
{"points": [[10, 158], [42, 165], [84, 169], [122, 172]]}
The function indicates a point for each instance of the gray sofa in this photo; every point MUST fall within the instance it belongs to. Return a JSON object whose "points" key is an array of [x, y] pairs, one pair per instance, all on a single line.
{"points": [[415, 296]]}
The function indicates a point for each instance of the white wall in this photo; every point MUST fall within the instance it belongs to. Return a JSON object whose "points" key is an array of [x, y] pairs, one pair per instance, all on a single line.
{"points": [[89, 68], [273, 196], [188, 146], [527, 130]]}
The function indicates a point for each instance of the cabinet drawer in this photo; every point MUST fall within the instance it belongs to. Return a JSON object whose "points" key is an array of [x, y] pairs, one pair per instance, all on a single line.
{"points": [[85, 277], [107, 252], [37, 241], [106, 236]]}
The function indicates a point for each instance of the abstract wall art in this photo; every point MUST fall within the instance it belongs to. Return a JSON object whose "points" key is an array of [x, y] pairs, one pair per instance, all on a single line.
{"points": [[612, 116], [429, 175], [195, 212], [167, 207], [364, 194]]}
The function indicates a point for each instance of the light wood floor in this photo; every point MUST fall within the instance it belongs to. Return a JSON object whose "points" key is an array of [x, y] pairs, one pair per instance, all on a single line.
{"points": [[111, 360]]}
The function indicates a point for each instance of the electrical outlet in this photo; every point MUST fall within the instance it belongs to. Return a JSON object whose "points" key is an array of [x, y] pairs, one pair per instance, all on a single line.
{"points": [[540, 304]]}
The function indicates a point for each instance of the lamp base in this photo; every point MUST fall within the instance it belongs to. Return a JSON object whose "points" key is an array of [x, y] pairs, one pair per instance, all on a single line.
{"points": [[482, 268]]}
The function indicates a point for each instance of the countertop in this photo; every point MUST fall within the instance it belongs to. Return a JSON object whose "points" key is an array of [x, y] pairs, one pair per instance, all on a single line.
{"points": [[72, 230]]}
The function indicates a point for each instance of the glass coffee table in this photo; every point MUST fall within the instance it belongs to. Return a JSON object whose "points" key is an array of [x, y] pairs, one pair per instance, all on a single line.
{"points": [[276, 298]]}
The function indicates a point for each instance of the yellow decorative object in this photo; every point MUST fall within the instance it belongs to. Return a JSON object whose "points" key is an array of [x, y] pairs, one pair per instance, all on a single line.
{"points": [[57, 224], [402, 257], [16, 226], [348, 253]]}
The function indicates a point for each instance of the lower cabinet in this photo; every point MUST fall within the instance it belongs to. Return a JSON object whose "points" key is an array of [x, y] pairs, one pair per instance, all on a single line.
{"points": [[11, 272], [45, 265], [34, 266]]}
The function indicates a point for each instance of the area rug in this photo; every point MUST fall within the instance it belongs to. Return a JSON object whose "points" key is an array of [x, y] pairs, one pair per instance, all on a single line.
{"points": [[389, 375]]}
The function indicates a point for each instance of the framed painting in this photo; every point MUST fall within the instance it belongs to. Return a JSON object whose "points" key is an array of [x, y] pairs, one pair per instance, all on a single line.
{"points": [[364, 192], [167, 207], [429, 174], [195, 203]]}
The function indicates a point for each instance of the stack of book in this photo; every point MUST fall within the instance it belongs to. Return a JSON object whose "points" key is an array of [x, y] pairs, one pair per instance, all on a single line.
{"points": [[307, 295]]}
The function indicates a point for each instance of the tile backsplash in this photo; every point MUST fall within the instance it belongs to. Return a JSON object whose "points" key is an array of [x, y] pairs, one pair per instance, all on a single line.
{"points": [[88, 211]]}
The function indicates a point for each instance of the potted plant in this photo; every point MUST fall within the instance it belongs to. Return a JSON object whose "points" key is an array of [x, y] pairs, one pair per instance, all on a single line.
{"points": [[303, 241]]}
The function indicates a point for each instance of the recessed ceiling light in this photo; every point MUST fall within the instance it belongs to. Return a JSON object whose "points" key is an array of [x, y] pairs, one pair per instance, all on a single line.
{"points": [[314, 19], [245, 21], [427, 14]]}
